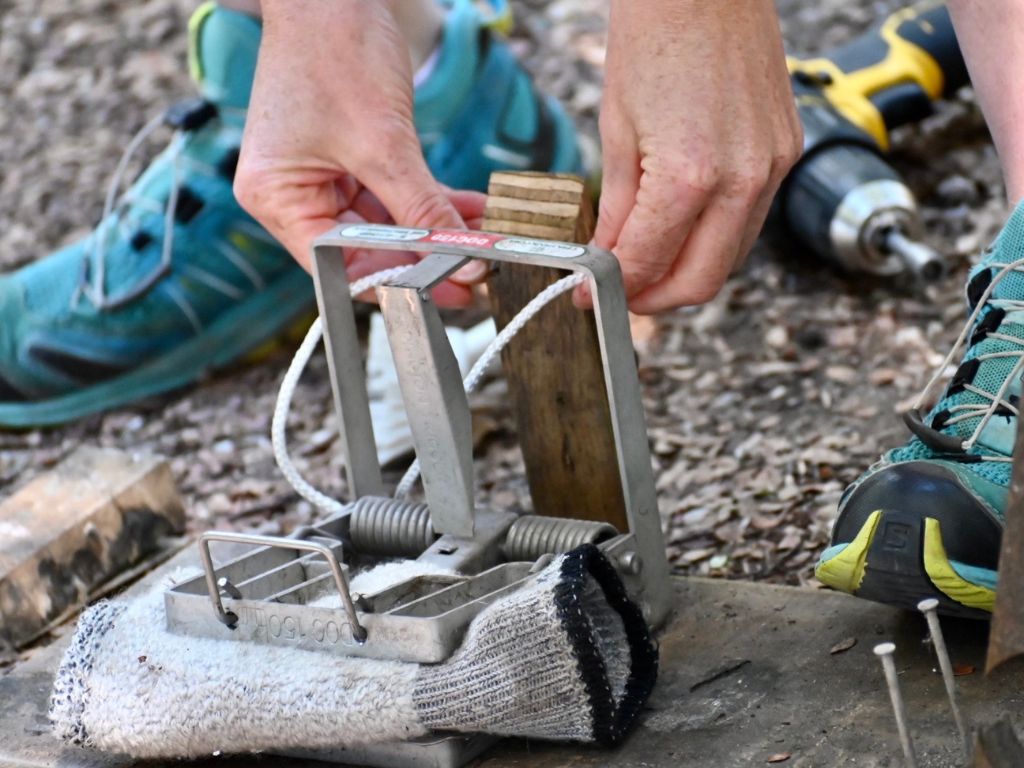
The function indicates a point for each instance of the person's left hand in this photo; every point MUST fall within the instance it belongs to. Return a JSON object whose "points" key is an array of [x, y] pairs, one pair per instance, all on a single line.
{"points": [[330, 138]]}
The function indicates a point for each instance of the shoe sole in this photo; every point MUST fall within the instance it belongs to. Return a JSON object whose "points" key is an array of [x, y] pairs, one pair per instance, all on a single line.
{"points": [[237, 332], [899, 559]]}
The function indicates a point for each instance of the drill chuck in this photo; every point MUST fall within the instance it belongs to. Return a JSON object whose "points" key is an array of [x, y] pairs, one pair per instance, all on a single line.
{"points": [[845, 202], [874, 229]]}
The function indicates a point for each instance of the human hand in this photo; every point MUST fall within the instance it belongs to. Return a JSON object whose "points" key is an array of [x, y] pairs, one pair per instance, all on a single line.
{"points": [[699, 128], [330, 138]]}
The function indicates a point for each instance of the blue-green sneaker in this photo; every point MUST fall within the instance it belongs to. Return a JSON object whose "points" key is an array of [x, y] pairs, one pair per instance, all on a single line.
{"points": [[177, 279], [927, 519]]}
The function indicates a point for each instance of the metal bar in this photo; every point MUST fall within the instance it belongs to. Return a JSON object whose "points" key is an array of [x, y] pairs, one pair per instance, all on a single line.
{"points": [[884, 651], [228, 618], [436, 403], [345, 366], [629, 424], [616, 348], [929, 609]]}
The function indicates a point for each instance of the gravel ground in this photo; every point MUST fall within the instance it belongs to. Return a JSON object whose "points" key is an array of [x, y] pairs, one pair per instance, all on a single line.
{"points": [[762, 405]]}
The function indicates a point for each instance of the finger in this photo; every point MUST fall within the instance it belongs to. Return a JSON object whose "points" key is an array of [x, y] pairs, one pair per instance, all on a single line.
{"points": [[659, 224], [370, 208], [619, 184], [469, 204], [704, 263], [347, 188], [755, 223], [471, 274], [620, 180], [361, 262]]}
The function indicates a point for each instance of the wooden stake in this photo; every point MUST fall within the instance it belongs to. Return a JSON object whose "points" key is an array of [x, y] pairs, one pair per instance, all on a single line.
{"points": [[553, 366]]}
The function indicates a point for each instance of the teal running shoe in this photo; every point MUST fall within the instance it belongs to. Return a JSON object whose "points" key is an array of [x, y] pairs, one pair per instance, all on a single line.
{"points": [[177, 280], [927, 519]]}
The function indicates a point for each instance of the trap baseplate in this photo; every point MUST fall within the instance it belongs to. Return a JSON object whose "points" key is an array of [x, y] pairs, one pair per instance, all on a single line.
{"points": [[294, 591]]}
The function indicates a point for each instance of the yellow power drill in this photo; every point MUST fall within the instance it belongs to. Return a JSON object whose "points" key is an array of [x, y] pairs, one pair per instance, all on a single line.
{"points": [[842, 200]]}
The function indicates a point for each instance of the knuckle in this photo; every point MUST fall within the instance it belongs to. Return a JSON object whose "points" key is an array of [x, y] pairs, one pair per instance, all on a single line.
{"points": [[702, 177], [747, 183], [245, 188], [425, 208]]}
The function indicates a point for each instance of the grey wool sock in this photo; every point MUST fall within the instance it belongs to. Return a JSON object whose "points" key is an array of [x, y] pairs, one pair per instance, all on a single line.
{"points": [[566, 657]]}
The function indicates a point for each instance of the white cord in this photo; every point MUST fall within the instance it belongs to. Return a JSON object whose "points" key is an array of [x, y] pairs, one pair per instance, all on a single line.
{"points": [[476, 373], [305, 351], [100, 241], [986, 410], [278, 427]]}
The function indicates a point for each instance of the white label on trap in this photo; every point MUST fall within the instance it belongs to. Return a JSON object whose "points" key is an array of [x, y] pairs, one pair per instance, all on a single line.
{"points": [[384, 234], [541, 248]]}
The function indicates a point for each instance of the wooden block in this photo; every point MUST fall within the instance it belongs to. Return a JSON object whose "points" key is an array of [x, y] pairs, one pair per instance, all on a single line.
{"points": [[79, 525], [553, 366]]}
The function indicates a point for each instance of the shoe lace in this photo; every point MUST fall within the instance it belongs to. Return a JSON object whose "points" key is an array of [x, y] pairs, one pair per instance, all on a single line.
{"points": [[997, 402], [117, 202]]}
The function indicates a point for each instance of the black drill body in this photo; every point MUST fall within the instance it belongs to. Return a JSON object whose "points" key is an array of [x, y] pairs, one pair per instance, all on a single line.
{"points": [[843, 200]]}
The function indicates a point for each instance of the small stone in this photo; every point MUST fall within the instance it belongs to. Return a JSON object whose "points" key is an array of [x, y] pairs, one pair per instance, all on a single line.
{"points": [[777, 337], [883, 376], [841, 374], [957, 190], [224, 447]]}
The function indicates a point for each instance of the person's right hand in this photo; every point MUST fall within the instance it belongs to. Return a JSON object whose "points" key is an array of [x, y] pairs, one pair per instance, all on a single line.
{"points": [[698, 128], [329, 135]]}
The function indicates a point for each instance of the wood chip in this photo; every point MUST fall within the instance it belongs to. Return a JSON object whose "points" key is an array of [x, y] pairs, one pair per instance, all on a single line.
{"points": [[843, 645]]}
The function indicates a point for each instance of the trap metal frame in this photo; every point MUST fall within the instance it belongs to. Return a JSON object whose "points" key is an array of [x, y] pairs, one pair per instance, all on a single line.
{"points": [[294, 591]]}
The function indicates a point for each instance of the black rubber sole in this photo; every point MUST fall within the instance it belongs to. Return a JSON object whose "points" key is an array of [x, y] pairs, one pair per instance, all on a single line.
{"points": [[895, 572]]}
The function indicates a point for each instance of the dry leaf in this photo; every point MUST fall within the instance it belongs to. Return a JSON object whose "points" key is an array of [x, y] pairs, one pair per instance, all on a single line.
{"points": [[781, 757], [961, 670], [843, 645]]}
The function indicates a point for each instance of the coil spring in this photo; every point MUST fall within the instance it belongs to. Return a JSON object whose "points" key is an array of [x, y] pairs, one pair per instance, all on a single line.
{"points": [[533, 535], [390, 528]]}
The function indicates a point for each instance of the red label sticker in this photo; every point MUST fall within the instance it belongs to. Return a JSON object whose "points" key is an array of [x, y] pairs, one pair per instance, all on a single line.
{"points": [[467, 239]]}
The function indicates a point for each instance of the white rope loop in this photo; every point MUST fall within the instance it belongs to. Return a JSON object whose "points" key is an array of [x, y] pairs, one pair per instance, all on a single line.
{"points": [[476, 373], [279, 424], [278, 429]]}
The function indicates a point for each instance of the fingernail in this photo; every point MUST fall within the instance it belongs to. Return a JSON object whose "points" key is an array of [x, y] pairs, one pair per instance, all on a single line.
{"points": [[473, 272]]}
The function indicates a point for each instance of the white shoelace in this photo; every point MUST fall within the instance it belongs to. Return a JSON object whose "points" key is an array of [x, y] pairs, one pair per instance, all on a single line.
{"points": [[115, 201], [278, 430], [987, 410]]}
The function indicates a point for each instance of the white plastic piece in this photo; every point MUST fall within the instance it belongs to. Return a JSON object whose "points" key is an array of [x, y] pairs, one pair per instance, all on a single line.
{"points": [[387, 410]]}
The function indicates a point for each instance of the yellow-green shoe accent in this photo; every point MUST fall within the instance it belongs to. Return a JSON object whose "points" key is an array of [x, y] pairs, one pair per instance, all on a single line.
{"points": [[899, 557], [195, 24], [944, 576], [845, 570]]}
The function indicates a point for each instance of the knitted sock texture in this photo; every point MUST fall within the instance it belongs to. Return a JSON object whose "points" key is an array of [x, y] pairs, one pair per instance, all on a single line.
{"points": [[127, 685], [566, 657], [569, 658]]}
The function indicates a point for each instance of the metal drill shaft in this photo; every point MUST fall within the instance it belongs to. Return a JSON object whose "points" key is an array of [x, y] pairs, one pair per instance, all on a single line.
{"points": [[922, 261], [884, 651], [928, 608]]}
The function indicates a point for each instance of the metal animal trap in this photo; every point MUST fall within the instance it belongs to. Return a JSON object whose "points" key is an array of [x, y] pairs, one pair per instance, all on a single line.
{"points": [[294, 590]]}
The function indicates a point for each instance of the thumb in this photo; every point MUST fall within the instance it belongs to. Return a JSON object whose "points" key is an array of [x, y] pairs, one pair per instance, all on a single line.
{"points": [[402, 182]]}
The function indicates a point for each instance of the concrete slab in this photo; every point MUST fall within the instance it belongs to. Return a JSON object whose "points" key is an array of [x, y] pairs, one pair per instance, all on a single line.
{"points": [[746, 674]]}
